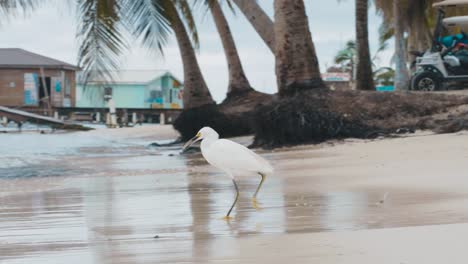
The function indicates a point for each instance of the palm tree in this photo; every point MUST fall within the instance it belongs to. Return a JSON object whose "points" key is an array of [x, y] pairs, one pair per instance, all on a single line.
{"points": [[259, 20], [103, 24], [196, 91], [364, 79], [238, 82], [347, 57], [401, 69], [419, 28], [395, 24], [418, 18], [384, 76], [297, 65]]}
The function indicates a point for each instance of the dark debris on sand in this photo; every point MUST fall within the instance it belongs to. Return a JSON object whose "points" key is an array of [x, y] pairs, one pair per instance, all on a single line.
{"points": [[191, 120], [231, 118], [318, 115]]}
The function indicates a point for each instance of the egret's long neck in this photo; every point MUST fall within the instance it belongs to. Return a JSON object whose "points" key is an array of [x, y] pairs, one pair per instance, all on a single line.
{"points": [[206, 142]]}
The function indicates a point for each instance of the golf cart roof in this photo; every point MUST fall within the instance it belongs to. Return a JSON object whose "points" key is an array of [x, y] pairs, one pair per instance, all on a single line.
{"points": [[450, 3], [461, 21]]}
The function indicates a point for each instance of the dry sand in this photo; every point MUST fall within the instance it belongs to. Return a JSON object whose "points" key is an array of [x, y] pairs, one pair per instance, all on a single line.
{"points": [[396, 201]]}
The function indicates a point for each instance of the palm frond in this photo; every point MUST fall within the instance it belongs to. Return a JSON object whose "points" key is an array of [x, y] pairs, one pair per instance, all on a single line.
{"points": [[24, 5], [148, 20], [187, 16], [343, 57], [101, 38], [10, 8], [386, 32], [347, 54]]}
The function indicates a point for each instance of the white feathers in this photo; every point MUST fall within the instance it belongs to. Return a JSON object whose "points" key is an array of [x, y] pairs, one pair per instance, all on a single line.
{"points": [[230, 156]]}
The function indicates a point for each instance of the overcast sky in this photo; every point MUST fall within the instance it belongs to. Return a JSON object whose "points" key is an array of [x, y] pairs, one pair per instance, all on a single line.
{"points": [[50, 31]]}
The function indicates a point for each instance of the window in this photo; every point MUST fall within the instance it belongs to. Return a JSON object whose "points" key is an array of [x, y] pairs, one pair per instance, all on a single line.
{"points": [[155, 94], [108, 91], [12, 85]]}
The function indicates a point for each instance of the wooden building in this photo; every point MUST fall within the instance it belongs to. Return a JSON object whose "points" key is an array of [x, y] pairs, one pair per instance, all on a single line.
{"points": [[150, 94], [23, 75], [132, 89]]}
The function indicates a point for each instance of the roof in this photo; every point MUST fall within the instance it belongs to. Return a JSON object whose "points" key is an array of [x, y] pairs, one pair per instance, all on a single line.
{"points": [[14, 58], [134, 77], [456, 21], [451, 2]]}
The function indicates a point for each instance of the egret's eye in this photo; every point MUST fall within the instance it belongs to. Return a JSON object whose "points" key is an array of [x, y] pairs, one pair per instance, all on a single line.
{"points": [[198, 134]]}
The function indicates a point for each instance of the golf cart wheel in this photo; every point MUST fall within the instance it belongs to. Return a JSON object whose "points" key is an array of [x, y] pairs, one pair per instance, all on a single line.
{"points": [[426, 81]]}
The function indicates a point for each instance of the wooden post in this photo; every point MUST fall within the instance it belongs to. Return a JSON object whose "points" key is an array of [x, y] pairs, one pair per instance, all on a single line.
{"points": [[4, 121], [113, 113], [162, 119], [134, 118]]}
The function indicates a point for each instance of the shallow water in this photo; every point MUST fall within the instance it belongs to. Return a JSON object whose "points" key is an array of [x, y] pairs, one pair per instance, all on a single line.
{"points": [[78, 198]]}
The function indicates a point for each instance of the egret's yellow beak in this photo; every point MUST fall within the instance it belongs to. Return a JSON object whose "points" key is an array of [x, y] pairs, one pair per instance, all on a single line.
{"points": [[191, 142]]}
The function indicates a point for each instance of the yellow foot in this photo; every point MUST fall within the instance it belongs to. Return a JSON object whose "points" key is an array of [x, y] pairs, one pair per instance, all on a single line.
{"points": [[227, 218], [255, 204]]}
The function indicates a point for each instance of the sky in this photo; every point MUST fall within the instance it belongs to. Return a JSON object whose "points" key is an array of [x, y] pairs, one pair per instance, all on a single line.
{"points": [[50, 31]]}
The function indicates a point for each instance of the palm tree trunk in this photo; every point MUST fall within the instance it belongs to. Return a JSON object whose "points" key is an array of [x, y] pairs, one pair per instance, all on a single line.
{"points": [[412, 45], [419, 35], [259, 20], [238, 83], [297, 65], [401, 71], [422, 28], [364, 80], [196, 91]]}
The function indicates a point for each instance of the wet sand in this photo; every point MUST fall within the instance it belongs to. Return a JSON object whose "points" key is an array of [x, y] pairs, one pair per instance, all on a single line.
{"points": [[387, 201]]}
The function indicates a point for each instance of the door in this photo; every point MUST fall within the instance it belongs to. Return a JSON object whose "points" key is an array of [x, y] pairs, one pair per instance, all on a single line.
{"points": [[31, 89]]}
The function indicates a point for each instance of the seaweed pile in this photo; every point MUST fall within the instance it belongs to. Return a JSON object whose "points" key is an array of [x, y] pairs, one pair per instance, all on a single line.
{"points": [[314, 116], [318, 115]]}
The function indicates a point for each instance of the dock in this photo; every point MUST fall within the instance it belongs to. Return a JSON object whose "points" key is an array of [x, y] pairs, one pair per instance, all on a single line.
{"points": [[23, 116]]}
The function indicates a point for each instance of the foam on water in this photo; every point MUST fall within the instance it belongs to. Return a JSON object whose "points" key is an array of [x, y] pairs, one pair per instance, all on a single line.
{"points": [[33, 149]]}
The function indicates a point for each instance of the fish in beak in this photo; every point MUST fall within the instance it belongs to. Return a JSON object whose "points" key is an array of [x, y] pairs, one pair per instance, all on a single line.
{"points": [[191, 142]]}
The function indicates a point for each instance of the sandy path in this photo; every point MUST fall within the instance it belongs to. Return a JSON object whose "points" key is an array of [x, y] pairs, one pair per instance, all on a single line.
{"points": [[389, 201]]}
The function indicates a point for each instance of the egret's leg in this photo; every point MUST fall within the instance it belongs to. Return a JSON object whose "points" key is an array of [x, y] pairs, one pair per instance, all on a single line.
{"points": [[235, 201], [254, 198], [260, 185]]}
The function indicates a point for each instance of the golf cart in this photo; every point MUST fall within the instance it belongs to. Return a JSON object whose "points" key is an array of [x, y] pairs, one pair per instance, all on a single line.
{"points": [[447, 60]]}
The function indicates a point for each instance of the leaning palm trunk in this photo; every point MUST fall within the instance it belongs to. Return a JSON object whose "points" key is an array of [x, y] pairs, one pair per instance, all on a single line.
{"points": [[401, 71], [259, 20], [238, 83], [196, 91], [297, 65], [364, 80]]}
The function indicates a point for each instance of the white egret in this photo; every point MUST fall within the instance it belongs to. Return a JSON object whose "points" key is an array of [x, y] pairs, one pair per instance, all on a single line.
{"points": [[230, 157]]}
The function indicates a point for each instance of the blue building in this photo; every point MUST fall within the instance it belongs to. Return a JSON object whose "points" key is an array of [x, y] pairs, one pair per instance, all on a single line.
{"points": [[132, 90]]}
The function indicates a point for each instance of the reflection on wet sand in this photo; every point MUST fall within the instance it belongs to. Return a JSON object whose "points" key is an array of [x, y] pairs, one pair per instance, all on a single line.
{"points": [[113, 211]]}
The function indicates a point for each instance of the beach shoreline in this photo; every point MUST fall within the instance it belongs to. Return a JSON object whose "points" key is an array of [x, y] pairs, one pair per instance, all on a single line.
{"points": [[394, 200]]}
